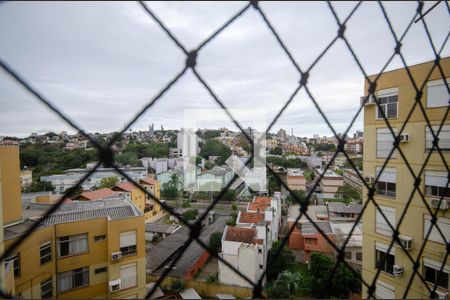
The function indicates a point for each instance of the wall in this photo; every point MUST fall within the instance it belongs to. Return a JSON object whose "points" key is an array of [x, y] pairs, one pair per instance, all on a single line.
{"points": [[207, 290], [412, 224], [11, 191]]}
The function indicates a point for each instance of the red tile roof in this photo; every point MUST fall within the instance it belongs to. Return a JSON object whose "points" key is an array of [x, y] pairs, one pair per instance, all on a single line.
{"points": [[240, 234], [249, 217], [148, 180], [126, 186], [96, 195], [260, 203]]}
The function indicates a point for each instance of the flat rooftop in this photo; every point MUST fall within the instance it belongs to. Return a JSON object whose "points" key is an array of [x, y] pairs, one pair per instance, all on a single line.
{"points": [[294, 172]]}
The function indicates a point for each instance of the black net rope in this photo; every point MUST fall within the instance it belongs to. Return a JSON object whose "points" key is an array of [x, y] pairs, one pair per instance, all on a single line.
{"points": [[106, 153]]}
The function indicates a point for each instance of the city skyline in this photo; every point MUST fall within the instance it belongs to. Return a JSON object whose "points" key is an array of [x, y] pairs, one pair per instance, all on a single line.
{"points": [[100, 73]]}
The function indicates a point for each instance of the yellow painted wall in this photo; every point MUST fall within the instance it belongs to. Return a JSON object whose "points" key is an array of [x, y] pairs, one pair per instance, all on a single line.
{"points": [[415, 153], [11, 191]]}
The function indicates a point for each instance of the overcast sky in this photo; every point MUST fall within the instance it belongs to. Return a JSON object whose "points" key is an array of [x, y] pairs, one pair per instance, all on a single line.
{"points": [[101, 62]]}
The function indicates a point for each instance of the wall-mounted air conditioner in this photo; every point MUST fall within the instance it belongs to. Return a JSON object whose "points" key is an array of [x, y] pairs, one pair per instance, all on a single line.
{"points": [[116, 256], [405, 137], [434, 203], [114, 285], [397, 270]]}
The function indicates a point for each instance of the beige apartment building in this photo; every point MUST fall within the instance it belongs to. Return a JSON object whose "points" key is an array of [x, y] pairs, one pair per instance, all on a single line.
{"points": [[396, 96], [330, 183], [86, 249], [295, 179]]}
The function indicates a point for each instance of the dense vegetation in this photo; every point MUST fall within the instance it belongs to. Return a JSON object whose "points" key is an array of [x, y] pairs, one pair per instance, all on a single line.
{"points": [[287, 163], [215, 148], [288, 279]]}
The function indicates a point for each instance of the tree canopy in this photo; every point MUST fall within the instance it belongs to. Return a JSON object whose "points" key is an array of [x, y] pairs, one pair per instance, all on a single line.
{"points": [[279, 263], [215, 148]]}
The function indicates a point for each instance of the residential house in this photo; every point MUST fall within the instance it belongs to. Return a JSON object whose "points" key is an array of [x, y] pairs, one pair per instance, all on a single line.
{"points": [[329, 183]]}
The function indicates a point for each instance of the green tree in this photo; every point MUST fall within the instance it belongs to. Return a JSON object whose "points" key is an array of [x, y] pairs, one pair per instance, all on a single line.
{"points": [[215, 241], [174, 181], [276, 151], [190, 215], [209, 134], [215, 148], [168, 191], [279, 263], [108, 182], [301, 195], [41, 186], [128, 158], [343, 281], [347, 193], [273, 183]]}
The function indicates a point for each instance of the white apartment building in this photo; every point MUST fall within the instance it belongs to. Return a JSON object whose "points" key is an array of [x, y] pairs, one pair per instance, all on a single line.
{"points": [[62, 182]]}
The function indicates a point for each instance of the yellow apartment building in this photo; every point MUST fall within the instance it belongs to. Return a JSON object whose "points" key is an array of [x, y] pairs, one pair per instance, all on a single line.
{"points": [[396, 96], [86, 249], [153, 186], [145, 204]]}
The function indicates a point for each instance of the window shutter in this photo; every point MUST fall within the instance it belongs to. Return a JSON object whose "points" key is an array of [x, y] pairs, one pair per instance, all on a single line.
{"points": [[128, 276], [436, 178], [436, 265], [435, 236], [387, 92], [382, 226], [127, 239], [385, 142], [437, 94], [444, 136], [388, 175], [384, 290]]}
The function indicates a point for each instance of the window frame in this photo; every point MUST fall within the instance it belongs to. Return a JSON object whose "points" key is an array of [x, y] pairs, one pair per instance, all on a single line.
{"points": [[385, 107], [128, 250], [16, 264], [445, 128], [44, 294], [73, 273], [387, 268], [81, 236], [47, 257], [433, 83], [100, 238]]}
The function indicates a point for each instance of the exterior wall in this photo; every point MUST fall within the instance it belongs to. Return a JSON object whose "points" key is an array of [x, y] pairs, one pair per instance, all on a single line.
{"points": [[352, 179], [98, 255], [416, 154], [246, 262], [26, 178], [193, 270], [11, 194], [296, 182]]}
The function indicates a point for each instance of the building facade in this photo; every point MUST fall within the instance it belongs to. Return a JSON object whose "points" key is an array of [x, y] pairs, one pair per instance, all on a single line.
{"points": [[396, 96], [295, 179], [88, 249]]}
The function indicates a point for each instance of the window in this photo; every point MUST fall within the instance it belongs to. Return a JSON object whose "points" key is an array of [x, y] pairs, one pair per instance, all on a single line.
{"points": [[444, 137], [437, 93], [359, 256], [386, 184], [388, 100], [15, 264], [46, 252], [381, 226], [310, 241], [433, 274], [47, 289], [348, 255], [384, 261], [100, 270], [261, 267], [99, 238], [128, 276], [435, 236], [435, 184], [259, 250], [73, 245], [384, 290], [385, 142], [128, 243], [73, 279]]}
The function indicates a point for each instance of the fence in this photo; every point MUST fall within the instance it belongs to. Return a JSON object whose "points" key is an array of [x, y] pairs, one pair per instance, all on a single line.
{"points": [[106, 153]]}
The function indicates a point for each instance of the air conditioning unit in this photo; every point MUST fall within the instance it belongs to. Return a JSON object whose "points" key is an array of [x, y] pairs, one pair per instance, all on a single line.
{"points": [[406, 241], [405, 137], [114, 285], [434, 203], [116, 256], [370, 101], [440, 295], [369, 179], [397, 270]]}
